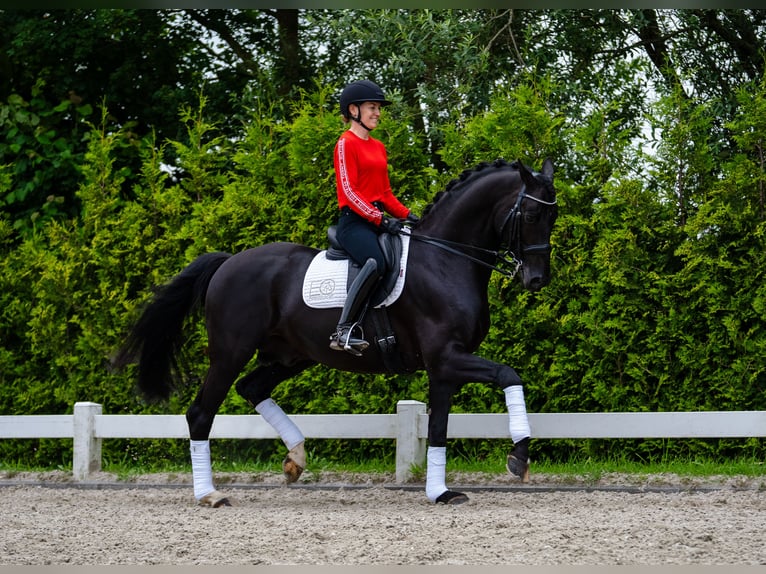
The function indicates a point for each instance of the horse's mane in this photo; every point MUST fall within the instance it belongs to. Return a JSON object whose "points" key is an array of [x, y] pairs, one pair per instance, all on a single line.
{"points": [[468, 176]]}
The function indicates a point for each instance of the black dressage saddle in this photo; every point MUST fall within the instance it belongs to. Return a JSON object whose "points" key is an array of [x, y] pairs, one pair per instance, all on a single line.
{"points": [[390, 244]]}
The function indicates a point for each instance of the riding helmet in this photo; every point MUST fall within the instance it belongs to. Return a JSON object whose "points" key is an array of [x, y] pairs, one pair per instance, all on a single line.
{"points": [[359, 92]]}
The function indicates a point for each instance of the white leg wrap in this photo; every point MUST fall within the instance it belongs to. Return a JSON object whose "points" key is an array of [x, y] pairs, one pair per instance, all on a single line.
{"points": [[274, 415], [518, 423], [435, 472], [202, 471]]}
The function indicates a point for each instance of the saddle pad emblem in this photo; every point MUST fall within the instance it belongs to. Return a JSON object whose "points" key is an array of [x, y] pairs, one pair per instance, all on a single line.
{"points": [[325, 282]]}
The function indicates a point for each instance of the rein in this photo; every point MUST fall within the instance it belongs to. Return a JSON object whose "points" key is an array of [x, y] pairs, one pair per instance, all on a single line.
{"points": [[503, 257], [507, 263]]}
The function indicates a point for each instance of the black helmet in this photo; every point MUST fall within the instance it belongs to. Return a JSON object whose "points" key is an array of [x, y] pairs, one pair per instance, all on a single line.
{"points": [[358, 92]]}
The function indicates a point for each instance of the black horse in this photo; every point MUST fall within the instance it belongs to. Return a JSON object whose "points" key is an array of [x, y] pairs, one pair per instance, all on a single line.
{"points": [[497, 216]]}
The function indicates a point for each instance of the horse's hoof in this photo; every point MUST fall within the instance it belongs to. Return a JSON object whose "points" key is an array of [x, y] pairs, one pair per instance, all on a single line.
{"points": [[291, 469], [518, 468], [451, 497], [215, 499]]}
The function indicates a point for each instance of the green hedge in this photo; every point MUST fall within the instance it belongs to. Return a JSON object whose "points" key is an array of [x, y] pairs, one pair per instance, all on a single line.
{"points": [[656, 304]]}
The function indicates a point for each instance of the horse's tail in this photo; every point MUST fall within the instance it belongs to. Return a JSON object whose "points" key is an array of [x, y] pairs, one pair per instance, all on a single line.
{"points": [[156, 338]]}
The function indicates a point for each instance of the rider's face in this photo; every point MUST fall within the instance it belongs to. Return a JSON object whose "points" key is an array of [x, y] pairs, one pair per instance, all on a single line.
{"points": [[370, 113]]}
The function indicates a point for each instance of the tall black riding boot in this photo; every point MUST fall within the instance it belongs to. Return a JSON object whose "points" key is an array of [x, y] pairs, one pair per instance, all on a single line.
{"points": [[356, 301]]}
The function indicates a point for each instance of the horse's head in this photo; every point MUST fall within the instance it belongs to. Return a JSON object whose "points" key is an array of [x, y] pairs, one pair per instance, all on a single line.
{"points": [[529, 224], [496, 204]]}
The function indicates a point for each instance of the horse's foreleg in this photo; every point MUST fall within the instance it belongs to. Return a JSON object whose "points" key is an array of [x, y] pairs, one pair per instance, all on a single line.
{"points": [[473, 368], [295, 461], [462, 368], [518, 423], [436, 455]]}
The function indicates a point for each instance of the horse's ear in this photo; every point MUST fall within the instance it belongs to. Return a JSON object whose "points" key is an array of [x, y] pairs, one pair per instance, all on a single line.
{"points": [[526, 176], [547, 168]]}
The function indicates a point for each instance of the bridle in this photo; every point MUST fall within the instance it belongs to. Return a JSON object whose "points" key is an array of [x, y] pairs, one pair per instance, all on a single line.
{"points": [[508, 261], [514, 218]]}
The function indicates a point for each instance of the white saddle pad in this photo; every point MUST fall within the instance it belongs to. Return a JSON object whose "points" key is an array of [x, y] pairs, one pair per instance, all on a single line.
{"points": [[324, 286]]}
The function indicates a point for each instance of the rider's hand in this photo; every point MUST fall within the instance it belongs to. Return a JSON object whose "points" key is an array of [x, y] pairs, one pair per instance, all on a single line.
{"points": [[391, 225], [412, 218]]}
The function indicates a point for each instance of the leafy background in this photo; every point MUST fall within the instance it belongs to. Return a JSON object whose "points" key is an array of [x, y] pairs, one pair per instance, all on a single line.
{"points": [[167, 134]]}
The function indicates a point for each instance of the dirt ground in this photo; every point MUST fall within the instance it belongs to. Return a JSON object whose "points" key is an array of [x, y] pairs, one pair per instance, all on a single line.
{"points": [[361, 520]]}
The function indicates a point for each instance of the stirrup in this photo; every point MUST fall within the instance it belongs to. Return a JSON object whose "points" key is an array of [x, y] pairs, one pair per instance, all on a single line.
{"points": [[353, 346]]}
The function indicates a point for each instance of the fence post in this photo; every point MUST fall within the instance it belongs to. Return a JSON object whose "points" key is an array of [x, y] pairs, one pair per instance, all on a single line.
{"points": [[410, 448], [86, 456]]}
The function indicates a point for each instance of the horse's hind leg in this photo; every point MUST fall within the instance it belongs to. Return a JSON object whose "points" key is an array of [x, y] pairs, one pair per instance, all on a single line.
{"points": [[256, 388], [200, 417]]}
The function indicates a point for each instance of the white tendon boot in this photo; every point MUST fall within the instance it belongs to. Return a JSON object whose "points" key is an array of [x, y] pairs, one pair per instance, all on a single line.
{"points": [[518, 424], [295, 461], [202, 474], [436, 485]]}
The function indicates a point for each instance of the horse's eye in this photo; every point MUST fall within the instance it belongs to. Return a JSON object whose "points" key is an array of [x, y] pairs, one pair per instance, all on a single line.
{"points": [[531, 217]]}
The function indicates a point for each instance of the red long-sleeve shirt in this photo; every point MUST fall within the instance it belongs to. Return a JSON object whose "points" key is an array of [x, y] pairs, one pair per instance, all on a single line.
{"points": [[361, 175]]}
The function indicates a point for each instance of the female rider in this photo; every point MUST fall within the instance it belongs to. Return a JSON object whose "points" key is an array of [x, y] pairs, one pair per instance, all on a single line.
{"points": [[364, 195]]}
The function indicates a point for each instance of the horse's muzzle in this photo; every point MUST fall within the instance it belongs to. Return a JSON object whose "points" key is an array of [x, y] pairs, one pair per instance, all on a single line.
{"points": [[535, 283], [536, 276]]}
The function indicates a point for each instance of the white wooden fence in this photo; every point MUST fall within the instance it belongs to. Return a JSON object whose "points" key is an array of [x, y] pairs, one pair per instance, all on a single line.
{"points": [[88, 427]]}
